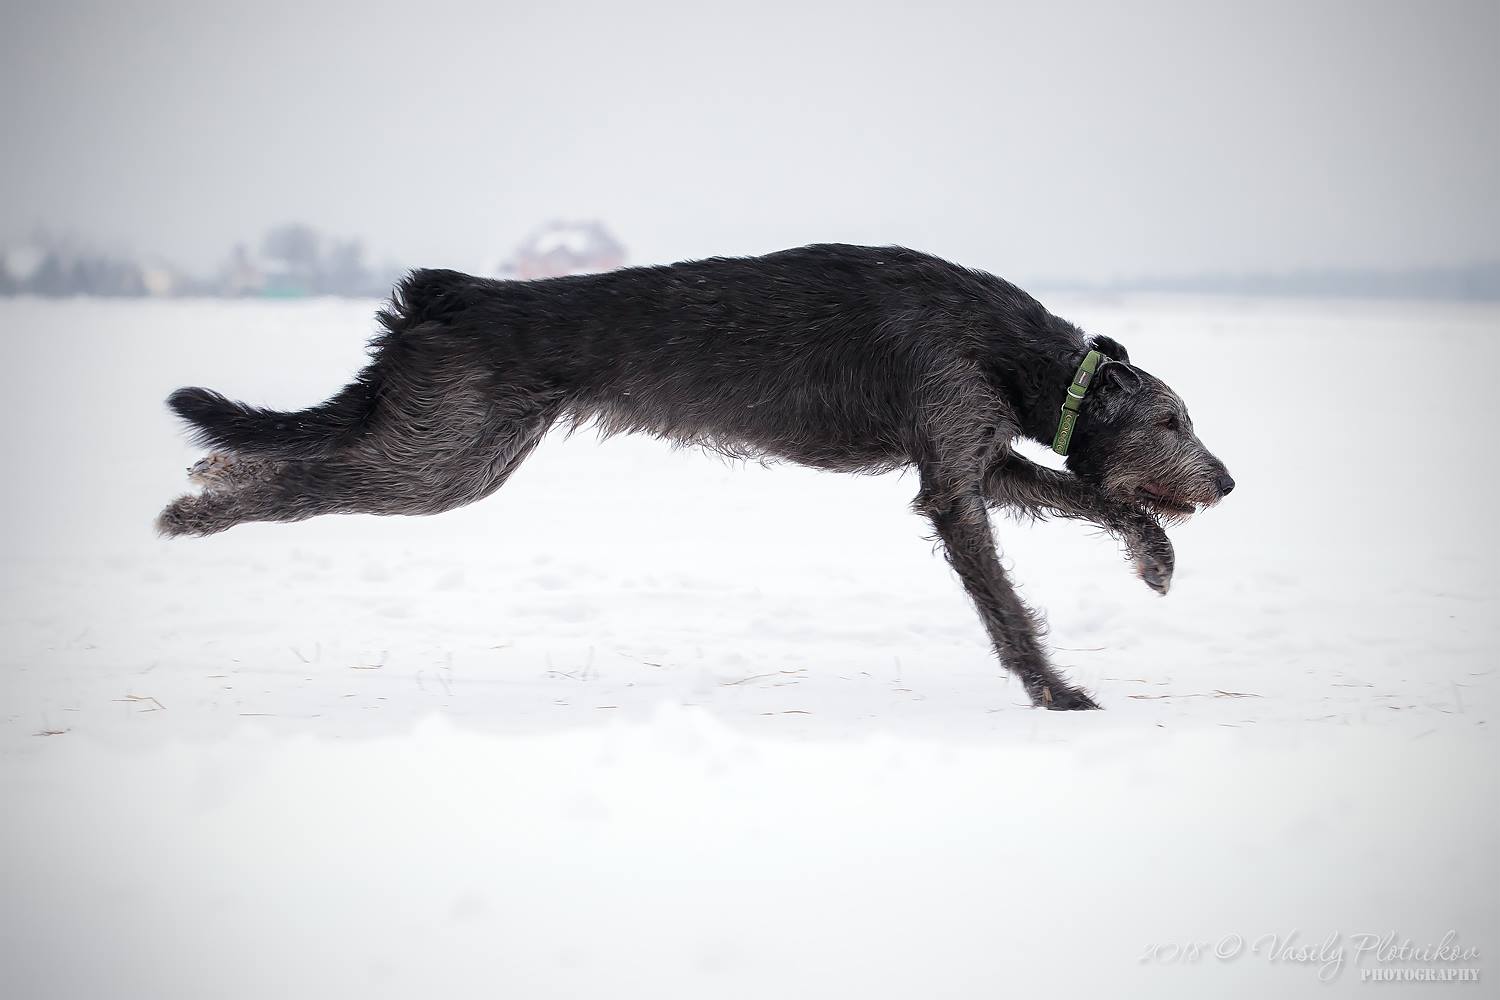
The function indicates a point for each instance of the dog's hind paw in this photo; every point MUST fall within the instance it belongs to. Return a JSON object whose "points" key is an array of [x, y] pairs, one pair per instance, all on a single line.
{"points": [[197, 515], [223, 471], [211, 470]]}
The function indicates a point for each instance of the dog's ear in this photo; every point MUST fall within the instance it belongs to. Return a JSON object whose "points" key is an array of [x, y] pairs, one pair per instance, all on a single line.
{"points": [[1111, 348], [1114, 384], [1118, 376]]}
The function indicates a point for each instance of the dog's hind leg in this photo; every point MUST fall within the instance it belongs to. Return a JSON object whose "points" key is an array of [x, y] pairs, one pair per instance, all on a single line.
{"points": [[228, 480], [437, 475], [204, 514]]}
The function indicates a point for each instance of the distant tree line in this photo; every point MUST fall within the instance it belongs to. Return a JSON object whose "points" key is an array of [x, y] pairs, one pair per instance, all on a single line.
{"points": [[296, 260], [290, 261], [1478, 282]]}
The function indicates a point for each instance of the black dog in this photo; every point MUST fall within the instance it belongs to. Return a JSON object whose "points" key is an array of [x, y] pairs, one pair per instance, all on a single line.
{"points": [[848, 358]]}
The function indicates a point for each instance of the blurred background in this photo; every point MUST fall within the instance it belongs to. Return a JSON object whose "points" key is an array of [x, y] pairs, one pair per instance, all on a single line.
{"points": [[1340, 147]]}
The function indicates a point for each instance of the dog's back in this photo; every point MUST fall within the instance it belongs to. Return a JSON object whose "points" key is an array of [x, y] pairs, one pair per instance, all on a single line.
{"points": [[790, 354]]}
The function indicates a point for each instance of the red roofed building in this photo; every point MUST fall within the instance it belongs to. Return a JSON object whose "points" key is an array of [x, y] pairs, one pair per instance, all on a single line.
{"points": [[562, 248]]}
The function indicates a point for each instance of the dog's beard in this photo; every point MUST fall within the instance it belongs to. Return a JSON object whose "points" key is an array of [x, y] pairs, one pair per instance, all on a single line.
{"points": [[1168, 506]]}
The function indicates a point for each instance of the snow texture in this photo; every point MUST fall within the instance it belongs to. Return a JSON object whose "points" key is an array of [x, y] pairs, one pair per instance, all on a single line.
{"points": [[647, 723]]}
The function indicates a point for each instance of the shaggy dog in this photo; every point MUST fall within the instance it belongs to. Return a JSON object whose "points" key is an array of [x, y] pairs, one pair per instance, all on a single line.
{"points": [[853, 359]]}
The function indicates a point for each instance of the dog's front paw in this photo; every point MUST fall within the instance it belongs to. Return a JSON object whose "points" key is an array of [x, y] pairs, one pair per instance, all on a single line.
{"points": [[1061, 698], [1157, 573], [1154, 557]]}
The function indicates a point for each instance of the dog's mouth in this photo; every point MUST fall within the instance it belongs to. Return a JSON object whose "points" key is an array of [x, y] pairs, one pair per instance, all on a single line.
{"points": [[1164, 501]]}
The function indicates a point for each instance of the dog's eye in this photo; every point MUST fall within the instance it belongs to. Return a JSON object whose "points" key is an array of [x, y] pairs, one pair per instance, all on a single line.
{"points": [[1169, 421]]}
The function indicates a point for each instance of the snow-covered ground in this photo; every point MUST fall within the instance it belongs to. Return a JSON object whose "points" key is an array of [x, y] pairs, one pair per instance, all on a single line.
{"points": [[647, 723]]}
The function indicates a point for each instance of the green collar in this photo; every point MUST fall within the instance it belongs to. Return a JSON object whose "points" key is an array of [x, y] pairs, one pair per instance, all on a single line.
{"points": [[1074, 400]]}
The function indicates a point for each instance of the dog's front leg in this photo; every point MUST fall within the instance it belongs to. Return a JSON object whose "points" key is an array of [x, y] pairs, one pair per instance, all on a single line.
{"points": [[958, 513], [1018, 484]]}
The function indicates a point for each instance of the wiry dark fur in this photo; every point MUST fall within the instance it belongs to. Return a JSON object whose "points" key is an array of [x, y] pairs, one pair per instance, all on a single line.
{"points": [[854, 359]]}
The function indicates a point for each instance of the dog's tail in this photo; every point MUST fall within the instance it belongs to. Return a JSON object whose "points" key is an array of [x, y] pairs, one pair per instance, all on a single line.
{"points": [[305, 435], [423, 298]]}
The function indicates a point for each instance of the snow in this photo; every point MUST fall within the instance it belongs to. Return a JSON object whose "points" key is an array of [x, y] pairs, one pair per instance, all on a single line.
{"points": [[654, 724]]}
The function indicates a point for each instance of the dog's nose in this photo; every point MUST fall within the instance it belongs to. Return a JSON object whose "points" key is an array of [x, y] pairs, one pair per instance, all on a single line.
{"points": [[1225, 484]]}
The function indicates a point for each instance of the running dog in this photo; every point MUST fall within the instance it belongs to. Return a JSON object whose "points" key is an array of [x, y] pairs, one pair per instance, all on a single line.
{"points": [[853, 359]]}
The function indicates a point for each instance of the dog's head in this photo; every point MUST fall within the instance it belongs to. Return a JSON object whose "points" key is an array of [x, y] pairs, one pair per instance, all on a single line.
{"points": [[1135, 441]]}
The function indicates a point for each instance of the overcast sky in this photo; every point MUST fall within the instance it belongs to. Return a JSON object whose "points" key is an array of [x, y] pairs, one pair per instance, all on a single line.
{"points": [[1046, 139]]}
